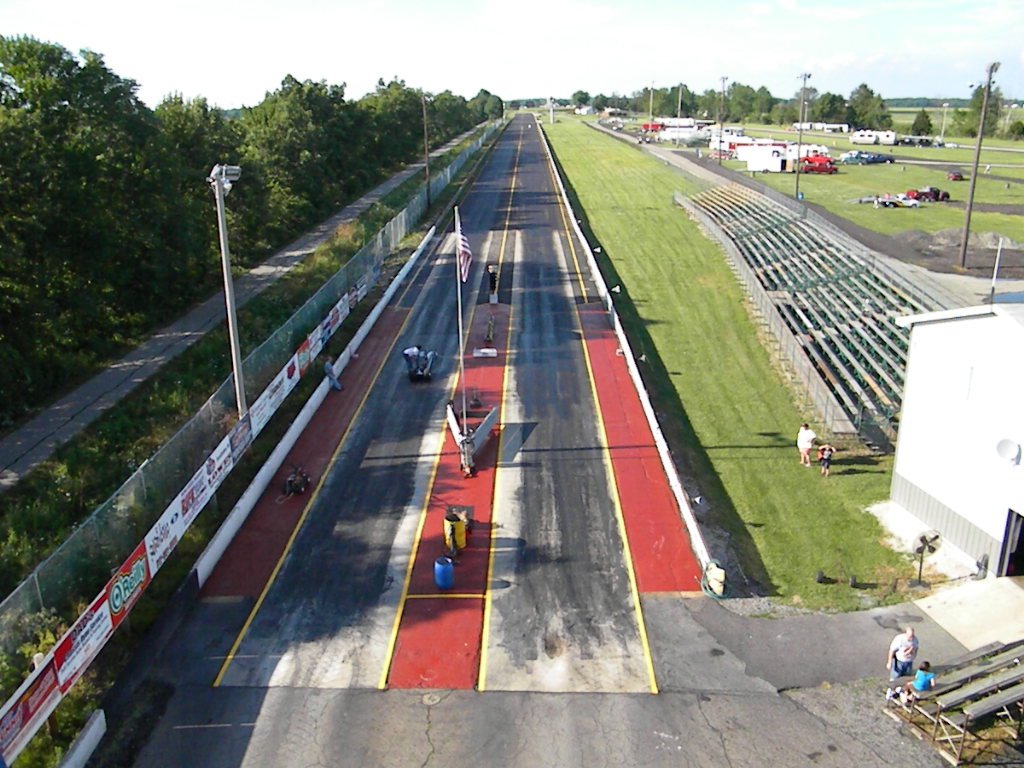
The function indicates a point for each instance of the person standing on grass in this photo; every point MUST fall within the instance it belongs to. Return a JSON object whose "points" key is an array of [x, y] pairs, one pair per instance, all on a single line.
{"points": [[330, 374], [825, 453], [804, 442], [902, 651]]}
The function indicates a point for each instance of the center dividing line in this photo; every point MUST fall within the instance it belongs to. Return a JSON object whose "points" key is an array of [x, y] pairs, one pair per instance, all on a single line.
{"points": [[485, 633], [305, 512]]}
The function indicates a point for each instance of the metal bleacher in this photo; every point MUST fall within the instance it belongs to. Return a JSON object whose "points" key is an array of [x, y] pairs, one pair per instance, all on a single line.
{"points": [[832, 299], [970, 703]]}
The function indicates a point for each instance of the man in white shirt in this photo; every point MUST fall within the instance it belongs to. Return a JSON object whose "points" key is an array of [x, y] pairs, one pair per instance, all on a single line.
{"points": [[902, 652], [804, 442]]}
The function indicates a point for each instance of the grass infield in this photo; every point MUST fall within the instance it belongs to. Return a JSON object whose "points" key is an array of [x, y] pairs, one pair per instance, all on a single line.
{"points": [[726, 409]]}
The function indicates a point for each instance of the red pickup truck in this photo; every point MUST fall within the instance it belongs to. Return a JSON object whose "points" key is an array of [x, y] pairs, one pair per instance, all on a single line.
{"points": [[818, 164]]}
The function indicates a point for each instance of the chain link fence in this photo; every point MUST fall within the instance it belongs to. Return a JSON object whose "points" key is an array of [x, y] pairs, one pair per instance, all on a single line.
{"points": [[80, 567]]}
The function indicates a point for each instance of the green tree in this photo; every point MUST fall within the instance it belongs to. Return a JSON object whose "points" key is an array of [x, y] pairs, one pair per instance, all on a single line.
{"points": [[763, 104], [922, 124], [600, 102], [83, 189], [829, 108], [581, 98], [740, 100], [965, 122], [867, 110]]}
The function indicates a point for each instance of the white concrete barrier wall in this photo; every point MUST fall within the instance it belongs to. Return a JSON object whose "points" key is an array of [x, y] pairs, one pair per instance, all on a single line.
{"points": [[700, 548], [240, 512], [86, 742]]}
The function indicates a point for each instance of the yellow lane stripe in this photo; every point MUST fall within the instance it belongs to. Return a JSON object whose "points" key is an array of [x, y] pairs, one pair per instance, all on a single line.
{"points": [[446, 596], [302, 518], [485, 632]]}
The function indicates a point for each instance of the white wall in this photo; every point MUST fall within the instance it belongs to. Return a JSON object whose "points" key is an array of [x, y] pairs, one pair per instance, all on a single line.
{"points": [[962, 396]]}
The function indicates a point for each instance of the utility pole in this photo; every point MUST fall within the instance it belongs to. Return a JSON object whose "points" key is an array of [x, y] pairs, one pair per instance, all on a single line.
{"points": [[992, 69], [651, 119], [721, 120], [426, 147], [679, 102], [800, 129]]}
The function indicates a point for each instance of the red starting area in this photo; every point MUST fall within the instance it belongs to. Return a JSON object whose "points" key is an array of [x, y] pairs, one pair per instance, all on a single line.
{"points": [[663, 558], [440, 633]]}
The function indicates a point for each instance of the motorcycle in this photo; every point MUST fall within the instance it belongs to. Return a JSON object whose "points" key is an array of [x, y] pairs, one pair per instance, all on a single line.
{"points": [[297, 481]]}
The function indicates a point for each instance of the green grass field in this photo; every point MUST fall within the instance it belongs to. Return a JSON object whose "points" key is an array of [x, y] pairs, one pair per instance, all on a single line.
{"points": [[729, 416], [836, 192]]}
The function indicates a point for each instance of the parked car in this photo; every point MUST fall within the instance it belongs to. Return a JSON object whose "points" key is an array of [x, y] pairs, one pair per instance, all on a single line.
{"points": [[955, 176], [934, 194], [873, 158], [818, 168]]}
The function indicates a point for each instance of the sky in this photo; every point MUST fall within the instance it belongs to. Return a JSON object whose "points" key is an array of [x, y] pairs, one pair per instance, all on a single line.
{"points": [[233, 53]]}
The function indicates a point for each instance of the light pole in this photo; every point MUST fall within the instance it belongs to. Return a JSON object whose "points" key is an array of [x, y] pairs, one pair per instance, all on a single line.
{"points": [[800, 130], [942, 133], [1009, 116], [992, 69], [426, 148], [221, 178], [721, 119]]}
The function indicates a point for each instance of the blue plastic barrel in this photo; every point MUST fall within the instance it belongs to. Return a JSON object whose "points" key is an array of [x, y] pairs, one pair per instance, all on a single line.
{"points": [[444, 573]]}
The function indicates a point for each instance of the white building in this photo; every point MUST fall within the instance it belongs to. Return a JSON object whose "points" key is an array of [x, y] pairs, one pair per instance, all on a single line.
{"points": [[958, 462]]}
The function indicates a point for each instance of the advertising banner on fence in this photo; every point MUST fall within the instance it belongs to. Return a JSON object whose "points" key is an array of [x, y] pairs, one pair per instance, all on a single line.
{"points": [[219, 464], [194, 497], [240, 438], [82, 642], [268, 402], [303, 356], [128, 584], [164, 536], [28, 709]]}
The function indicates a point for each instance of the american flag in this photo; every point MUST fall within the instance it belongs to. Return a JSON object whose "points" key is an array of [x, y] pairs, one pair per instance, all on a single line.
{"points": [[462, 251]]}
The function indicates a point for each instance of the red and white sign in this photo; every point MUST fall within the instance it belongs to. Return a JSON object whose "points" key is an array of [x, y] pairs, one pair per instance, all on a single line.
{"points": [[219, 464], [266, 404], [82, 642], [128, 584], [194, 497], [164, 536], [28, 709]]}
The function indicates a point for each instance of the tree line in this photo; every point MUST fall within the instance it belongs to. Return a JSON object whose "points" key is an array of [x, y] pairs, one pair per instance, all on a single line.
{"points": [[862, 109], [108, 226]]}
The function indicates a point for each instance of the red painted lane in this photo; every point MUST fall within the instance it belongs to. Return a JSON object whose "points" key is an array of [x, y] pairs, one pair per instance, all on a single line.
{"points": [[663, 558], [247, 563], [440, 636]]}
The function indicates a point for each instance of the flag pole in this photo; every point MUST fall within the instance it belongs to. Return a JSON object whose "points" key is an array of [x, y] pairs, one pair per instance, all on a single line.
{"points": [[458, 289]]}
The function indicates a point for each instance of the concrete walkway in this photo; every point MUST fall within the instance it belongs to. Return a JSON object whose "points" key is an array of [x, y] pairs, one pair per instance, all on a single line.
{"points": [[36, 440]]}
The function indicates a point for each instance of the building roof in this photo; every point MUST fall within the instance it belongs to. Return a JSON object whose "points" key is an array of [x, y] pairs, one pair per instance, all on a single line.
{"points": [[1011, 311]]}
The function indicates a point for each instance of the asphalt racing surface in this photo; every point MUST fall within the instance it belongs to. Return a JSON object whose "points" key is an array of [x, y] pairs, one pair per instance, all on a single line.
{"points": [[573, 634]]}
